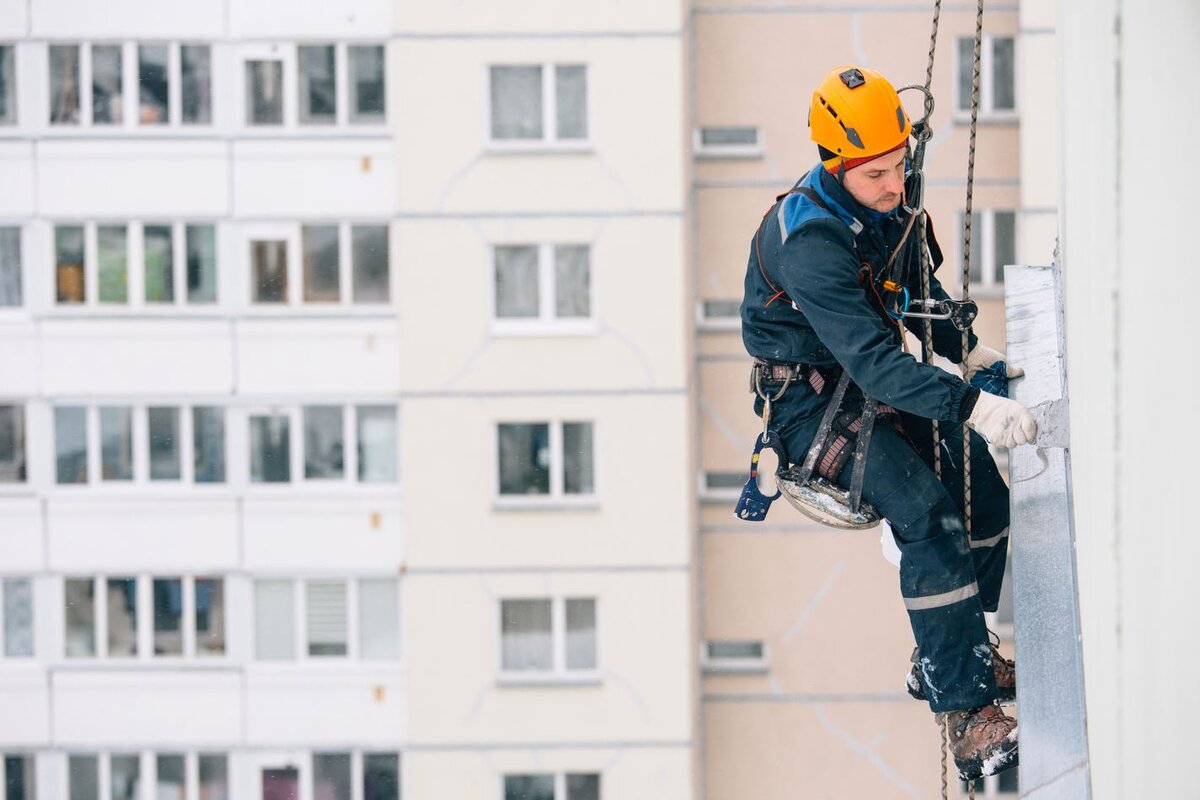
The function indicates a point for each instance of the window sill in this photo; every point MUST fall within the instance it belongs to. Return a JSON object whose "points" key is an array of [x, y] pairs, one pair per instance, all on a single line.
{"points": [[530, 328], [730, 153], [137, 664], [542, 503], [733, 667], [540, 147], [724, 497], [548, 679], [719, 325], [992, 118]]}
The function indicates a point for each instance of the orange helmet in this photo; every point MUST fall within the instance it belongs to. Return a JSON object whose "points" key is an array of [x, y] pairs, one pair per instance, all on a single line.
{"points": [[855, 116]]}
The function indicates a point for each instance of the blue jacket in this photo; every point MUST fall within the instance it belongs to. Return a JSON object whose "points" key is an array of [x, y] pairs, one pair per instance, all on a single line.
{"points": [[831, 314]]}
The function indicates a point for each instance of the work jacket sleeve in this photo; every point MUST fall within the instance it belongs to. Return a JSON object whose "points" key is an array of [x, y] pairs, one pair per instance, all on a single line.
{"points": [[947, 339], [820, 273]]}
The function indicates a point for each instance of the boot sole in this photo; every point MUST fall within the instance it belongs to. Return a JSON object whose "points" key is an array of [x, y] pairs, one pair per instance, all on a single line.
{"points": [[975, 768]]}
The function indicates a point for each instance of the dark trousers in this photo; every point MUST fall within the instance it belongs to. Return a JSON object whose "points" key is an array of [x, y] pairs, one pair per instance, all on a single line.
{"points": [[947, 581]]}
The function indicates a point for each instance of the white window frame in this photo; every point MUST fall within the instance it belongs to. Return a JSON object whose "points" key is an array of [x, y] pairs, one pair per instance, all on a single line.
{"points": [[24, 238], [720, 494], [141, 483], [557, 498], [560, 780], [549, 141], [709, 663], [147, 768], [712, 323], [301, 658], [546, 323], [983, 245], [986, 55], [292, 234], [21, 487], [727, 151], [558, 674], [135, 269], [4, 657], [297, 479], [288, 53]]}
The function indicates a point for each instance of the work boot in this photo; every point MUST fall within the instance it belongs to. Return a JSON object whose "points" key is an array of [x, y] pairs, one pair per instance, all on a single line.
{"points": [[1006, 675], [982, 740]]}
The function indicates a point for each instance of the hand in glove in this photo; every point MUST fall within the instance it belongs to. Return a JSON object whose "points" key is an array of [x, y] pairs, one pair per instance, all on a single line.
{"points": [[982, 357], [1001, 421]]}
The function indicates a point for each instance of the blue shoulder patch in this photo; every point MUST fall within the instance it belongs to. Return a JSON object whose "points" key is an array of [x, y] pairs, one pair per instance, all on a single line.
{"points": [[797, 209]]}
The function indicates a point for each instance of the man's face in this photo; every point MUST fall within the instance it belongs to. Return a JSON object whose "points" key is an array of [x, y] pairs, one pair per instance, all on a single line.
{"points": [[878, 184]]}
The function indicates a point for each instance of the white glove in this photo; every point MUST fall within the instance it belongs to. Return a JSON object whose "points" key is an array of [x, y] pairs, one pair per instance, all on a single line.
{"points": [[982, 357], [1001, 421]]}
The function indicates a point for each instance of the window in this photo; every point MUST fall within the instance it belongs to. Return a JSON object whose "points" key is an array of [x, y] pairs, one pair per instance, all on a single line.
{"points": [[12, 443], [536, 103], [116, 443], [20, 776], [997, 87], [720, 314], [553, 460], [318, 84], [11, 294], [340, 264], [377, 456], [170, 775], [324, 445], [993, 245], [371, 272], [727, 142], [331, 774], [214, 776], [8, 85], [549, 786], [125, 776], [79, 602], [16, 616], [107, 81], [122, 618], [322, 272], [321, 102], [172, 254], [70, 444], [264, 92], [269, 267], [719, 486], [734, 656], [166, 462], [545, 636], [327, 627], [339, 444], [168, 616], [64, 85], [381, 776], [119, 776], [270, 448], [368, 95], [83, 777], [187, 616], [208, 444], [154, 104], [195, 67], [547, 283]]}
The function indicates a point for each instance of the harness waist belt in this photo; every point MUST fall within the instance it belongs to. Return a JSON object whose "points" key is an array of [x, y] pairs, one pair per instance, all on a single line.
{"points": [[774, 373]]}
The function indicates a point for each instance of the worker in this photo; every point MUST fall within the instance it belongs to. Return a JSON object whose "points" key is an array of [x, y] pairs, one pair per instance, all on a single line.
{"points": [[820, 300]]}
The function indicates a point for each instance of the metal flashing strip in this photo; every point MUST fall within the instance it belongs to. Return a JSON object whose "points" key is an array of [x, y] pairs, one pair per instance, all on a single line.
{"points": [[1050, 688]]}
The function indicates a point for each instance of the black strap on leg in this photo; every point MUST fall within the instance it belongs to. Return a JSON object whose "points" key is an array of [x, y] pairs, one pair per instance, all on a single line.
{"points": [[869, 412], [831, 410]]}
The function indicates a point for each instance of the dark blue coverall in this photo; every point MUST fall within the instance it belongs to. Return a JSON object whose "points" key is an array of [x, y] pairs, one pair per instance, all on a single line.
{"points": [[825, 260]]}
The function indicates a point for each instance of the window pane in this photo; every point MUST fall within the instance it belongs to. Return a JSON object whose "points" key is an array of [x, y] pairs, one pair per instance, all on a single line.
{"points": [[368, 88], [18, 617], [1004, 229], [116, 443], [326, 606], [70, 444], [725, 137], [378, 619], [722, 308], [10, 266], [526, 642], [281, 784], [165, 458], [976, 271], [171, 781], [583, 787], [528, 787], [1003, 83], [516, 282], [64, 84], [572, 281], [269, 262], [122, 617], [195, 62], [524, 458], [966, 66], [168, 617], [107, 95], [201, 244], [324, 447], [68, 261], [578, 468], [318, 88], [20, 778], [331, 776], [8, 86], [571, 101], [12, 444], [722, 650], [112, 258], [274, 621], [79, 606], [516, 102], [270, 449], [377, 457], [264, 92], [125, 777], [321, 269], [581, 633], [152, 84], [83, 777], [214, 776], [208, 443], [160, 264], [372, 278], [381, 776], [210, 616]]}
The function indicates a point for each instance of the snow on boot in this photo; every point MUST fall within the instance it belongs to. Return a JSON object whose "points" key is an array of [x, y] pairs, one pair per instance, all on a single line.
{"points": [[983, 740], [1006, 677]]}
